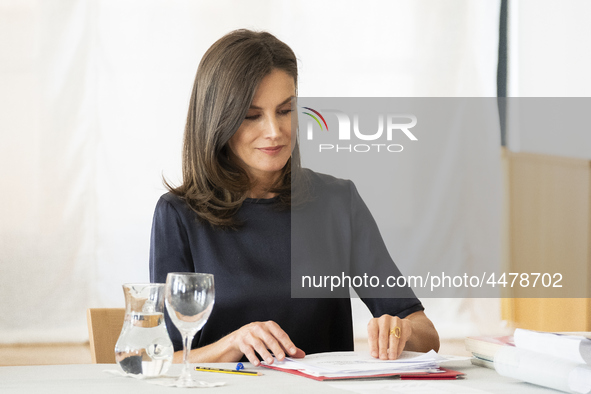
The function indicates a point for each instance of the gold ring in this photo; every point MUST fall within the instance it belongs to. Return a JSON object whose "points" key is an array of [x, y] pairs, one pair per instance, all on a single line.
{"points": [[395, 331]]}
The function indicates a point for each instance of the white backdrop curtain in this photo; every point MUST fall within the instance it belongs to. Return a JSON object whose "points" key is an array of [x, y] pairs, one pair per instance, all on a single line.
{"points": [[93, 99]]}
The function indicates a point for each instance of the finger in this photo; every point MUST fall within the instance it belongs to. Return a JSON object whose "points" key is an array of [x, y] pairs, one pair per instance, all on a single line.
{"points": [[282, 337], [299, 353], [394, 340], [250, 354], [261, 349], [400, 348], [405, 336], [372, 337], [383, 336], [271, 343]]}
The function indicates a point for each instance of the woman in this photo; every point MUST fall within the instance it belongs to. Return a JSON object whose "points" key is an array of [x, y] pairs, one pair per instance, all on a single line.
{"points": [[231, 218]]}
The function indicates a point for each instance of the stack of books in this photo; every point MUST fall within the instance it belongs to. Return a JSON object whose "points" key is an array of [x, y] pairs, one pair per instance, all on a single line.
{"points": [[484, 349]]}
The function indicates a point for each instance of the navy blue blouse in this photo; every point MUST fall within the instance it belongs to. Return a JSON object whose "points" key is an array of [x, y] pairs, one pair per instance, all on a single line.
{"points": [[252, 271]]}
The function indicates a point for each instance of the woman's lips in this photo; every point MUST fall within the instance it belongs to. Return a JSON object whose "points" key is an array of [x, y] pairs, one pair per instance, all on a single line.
{"points": [[271, 150]]}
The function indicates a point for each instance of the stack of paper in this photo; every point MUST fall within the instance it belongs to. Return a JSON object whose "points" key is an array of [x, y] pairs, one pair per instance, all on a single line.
{"points": [[561, 362], [346, 365]]}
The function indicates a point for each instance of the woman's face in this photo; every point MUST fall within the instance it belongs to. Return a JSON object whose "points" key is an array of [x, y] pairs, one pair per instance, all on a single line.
{"points": [[262, 144]]}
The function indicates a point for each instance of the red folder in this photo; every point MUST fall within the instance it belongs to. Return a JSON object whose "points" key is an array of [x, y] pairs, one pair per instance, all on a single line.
{"points": [[448, 374]]}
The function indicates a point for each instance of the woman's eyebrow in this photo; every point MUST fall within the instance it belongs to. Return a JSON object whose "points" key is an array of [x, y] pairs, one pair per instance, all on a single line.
{"points": [[279, 105]]}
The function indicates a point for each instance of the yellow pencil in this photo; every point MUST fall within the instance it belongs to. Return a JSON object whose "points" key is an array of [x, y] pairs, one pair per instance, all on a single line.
{"points": [[232, 371]]}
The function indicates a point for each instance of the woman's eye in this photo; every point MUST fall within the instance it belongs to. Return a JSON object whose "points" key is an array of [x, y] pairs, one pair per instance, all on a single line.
{"points": [[252, 117], [285, 111]]}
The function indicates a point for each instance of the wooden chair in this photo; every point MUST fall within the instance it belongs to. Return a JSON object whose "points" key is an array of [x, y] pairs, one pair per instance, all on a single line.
{"points": [[104, 327]]}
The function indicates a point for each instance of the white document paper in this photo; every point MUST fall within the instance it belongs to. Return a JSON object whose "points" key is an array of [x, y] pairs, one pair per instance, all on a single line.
{"points": [[569, 347], [543, 370], [359, 363]]}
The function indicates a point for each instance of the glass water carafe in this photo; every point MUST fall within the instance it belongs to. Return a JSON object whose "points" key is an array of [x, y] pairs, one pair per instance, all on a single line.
{"points": [[144, 346]]}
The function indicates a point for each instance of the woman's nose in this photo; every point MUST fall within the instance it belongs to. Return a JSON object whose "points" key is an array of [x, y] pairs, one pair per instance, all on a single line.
{"points": [[272, 128]]}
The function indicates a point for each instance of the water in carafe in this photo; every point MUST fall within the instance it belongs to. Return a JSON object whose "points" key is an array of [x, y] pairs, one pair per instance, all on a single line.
{"points": [[144, 346]]}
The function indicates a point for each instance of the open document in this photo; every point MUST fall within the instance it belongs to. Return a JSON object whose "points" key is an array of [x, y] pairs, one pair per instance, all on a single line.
{"points": [[347, 365]]}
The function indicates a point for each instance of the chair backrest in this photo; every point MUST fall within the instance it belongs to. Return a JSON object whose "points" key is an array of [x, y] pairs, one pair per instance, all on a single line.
{"points": [[104, 328]]}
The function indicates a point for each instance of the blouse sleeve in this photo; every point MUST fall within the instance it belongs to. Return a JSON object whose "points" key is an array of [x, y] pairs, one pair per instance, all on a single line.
{"points": [[169, 252], [370, 256], [169, 245]]}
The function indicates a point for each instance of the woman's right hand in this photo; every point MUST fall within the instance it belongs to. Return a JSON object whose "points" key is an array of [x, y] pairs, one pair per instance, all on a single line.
{"points": [[263, 338]]}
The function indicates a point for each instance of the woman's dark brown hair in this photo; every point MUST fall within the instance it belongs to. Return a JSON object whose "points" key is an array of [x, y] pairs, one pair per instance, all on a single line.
{"points": [[226, 81]]}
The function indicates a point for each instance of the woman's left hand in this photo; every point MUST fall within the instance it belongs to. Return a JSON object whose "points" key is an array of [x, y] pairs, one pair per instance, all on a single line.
{"points": [[387, 336]]}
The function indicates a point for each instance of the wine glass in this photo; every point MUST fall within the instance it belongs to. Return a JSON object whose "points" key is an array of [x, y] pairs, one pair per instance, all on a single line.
{"points": [[189, 301]]}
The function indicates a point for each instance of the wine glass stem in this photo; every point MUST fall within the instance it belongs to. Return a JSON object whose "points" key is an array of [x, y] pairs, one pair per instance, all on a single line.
{"points": [[187, 341]]}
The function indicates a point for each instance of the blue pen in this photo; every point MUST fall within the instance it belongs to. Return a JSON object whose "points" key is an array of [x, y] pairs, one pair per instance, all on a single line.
{"points": [[239, 366]]}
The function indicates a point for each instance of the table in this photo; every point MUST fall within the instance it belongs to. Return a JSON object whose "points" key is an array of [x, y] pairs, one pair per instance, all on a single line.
{"points": [[91, 378]]}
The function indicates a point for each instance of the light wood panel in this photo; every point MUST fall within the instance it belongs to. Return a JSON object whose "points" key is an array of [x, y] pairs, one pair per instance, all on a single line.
{"points": [[104, 327], [44, 354], [549, 228]]}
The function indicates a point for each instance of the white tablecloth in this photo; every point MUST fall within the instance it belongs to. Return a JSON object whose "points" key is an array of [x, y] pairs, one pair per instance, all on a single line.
{"points": [[91, 378]]}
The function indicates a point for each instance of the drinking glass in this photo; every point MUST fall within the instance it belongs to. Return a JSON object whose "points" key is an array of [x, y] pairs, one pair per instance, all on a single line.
{"points": [[189, 301]]}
